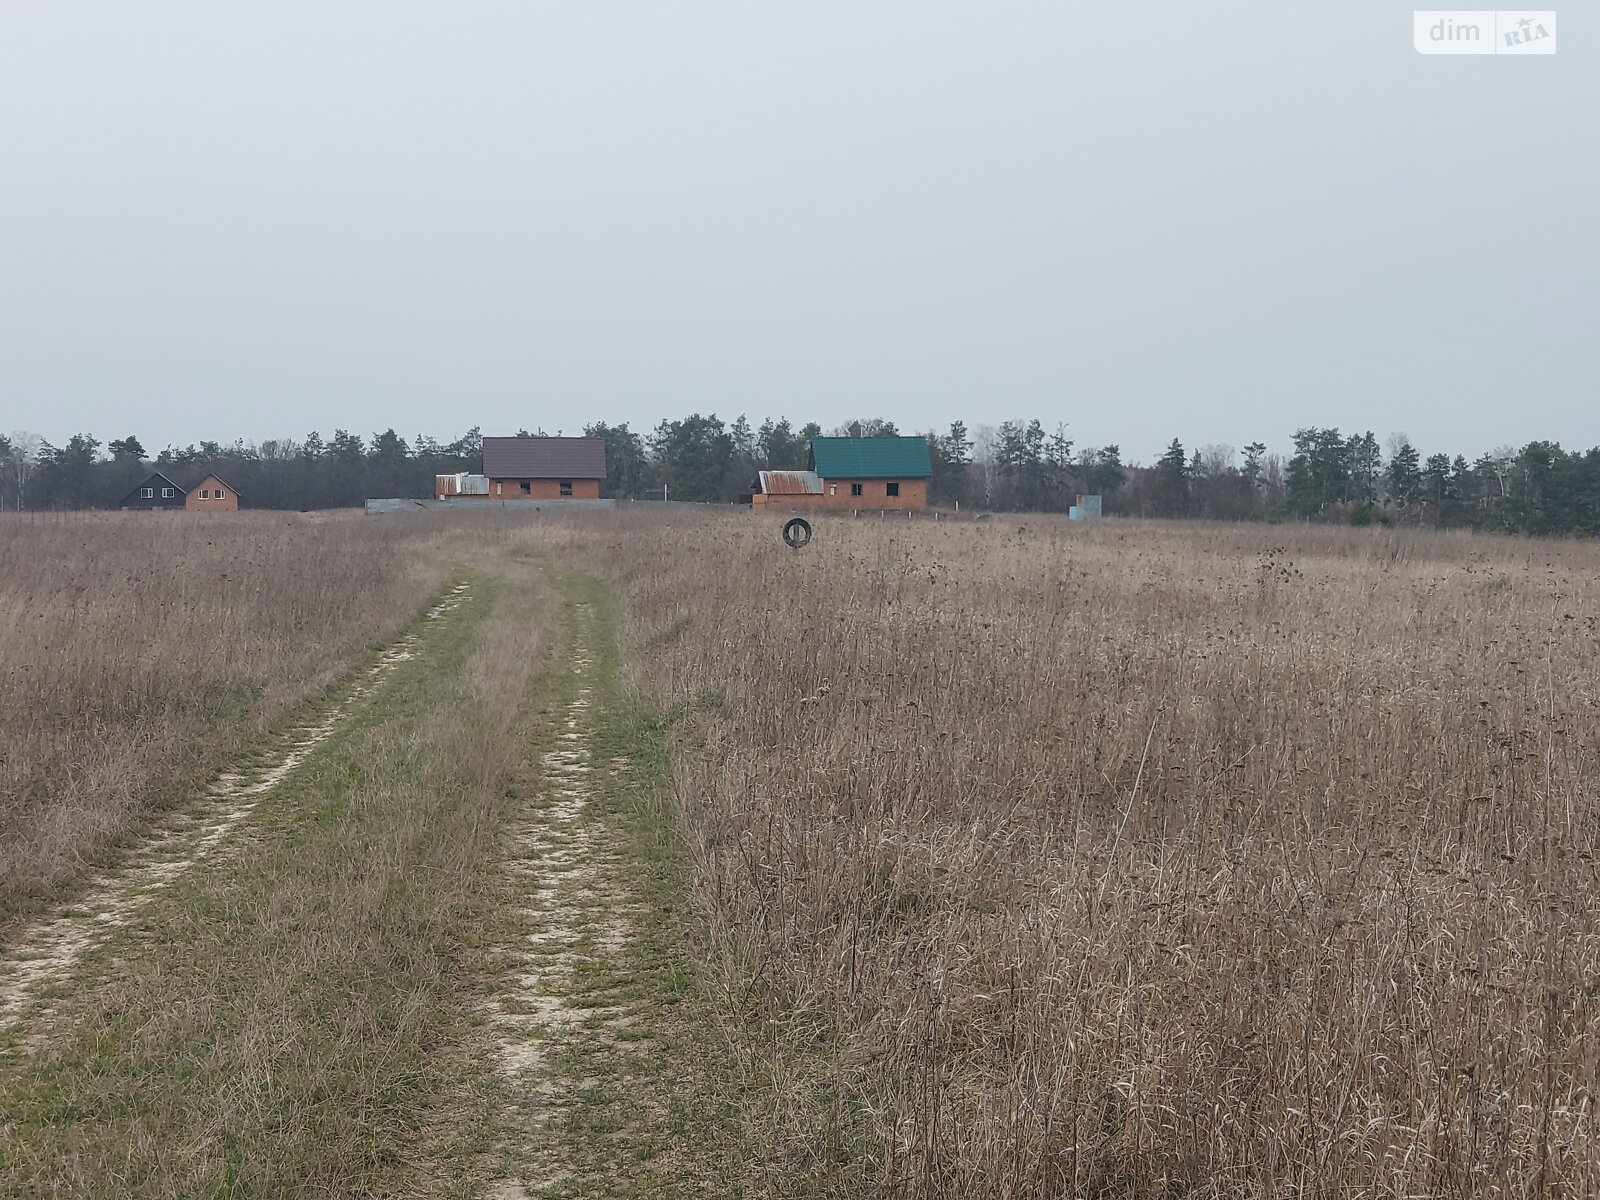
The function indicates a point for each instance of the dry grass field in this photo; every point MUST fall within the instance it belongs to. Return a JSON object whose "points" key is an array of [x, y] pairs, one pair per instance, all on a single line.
{"points": [[1013, 859], [135, 651], [1147, 859]]}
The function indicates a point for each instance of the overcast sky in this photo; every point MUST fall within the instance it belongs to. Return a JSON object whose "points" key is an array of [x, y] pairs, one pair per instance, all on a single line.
{"points": [[1215, 222]]}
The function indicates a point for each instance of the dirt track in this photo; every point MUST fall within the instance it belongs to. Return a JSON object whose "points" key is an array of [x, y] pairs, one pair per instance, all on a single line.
{"points": [[573, 918], [42, 957]]}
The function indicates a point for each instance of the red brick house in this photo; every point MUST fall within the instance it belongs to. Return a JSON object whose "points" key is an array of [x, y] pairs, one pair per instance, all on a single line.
{"points": [[854, 473], [543, 468], [211, 495]]}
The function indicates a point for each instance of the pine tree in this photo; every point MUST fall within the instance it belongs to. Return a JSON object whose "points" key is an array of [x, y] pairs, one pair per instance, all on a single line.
{"points": [[1405, 474], [126, 450]]}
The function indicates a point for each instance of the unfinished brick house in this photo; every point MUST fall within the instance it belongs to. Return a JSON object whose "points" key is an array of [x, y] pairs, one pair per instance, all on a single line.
{"points": [[539, 468], [853, 473]]}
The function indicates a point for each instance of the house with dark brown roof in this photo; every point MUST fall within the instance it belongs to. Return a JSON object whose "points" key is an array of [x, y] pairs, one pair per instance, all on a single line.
{"points": [[543, 468]]}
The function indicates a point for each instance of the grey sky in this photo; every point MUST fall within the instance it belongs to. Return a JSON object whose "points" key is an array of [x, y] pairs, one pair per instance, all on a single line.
{"points": [[1217, 222]]}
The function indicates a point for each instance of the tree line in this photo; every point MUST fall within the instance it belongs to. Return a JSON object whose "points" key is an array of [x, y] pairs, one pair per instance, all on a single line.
{"points": [[1015, 466]]}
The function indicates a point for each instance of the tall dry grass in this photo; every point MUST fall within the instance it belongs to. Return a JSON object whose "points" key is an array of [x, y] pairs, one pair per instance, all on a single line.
{"points": [[1149, 859], [296, 1013], [138, 647], [1131, 860]]}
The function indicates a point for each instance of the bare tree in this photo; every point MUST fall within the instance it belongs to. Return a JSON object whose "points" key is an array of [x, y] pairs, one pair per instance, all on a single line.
{"points": [[1272, 478], [1216, 461], [870, 427], [1500, 461], [21, 450], [984, 443]]}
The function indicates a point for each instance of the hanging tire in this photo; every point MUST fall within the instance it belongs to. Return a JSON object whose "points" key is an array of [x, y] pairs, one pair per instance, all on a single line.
{"points": [[797, 532]]}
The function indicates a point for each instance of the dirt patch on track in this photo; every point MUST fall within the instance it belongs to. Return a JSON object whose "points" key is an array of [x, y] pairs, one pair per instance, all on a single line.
{"points": [[40, 960], [573, 920]]}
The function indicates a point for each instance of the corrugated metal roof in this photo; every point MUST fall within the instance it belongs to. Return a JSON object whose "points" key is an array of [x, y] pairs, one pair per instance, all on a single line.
{"points": [[790, 483], [871, 458], [544, 458]]}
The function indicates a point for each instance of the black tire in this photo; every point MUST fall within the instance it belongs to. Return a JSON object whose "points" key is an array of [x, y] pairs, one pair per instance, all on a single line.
{"points": [[797, 532]]}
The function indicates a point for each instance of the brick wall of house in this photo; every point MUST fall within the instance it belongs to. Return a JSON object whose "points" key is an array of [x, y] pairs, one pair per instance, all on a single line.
{"points": [[538, 489], [211, 501], [836, 495]]}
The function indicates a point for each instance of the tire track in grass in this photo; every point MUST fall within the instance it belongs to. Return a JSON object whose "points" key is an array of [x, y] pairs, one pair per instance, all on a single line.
{"points": [[40, 960], [575, 915]]}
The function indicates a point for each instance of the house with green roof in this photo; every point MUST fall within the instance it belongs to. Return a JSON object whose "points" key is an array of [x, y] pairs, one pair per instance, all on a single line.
{"points": [[854, 473]]}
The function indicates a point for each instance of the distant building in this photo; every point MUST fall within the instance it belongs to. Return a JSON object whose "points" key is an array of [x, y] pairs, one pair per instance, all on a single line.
{"points": [[158, 493], [461, 484], [212, 495], [204, 493], [532, 468], [777, 487], [854, 473]]}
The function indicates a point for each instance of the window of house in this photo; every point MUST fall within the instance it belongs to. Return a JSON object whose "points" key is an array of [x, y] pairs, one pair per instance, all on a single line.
{"points": [[527, 487], [221, 493], [566, 487], [166, 493], [499, 489], [894, 488], [205, 494], [855, 489], [149, 493], [833, 489]]}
